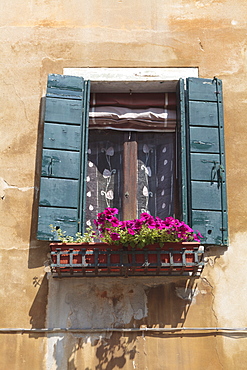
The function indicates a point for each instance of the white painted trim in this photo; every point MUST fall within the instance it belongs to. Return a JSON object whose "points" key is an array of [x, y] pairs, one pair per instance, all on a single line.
{"points": [[132, 79], [132, 74]]}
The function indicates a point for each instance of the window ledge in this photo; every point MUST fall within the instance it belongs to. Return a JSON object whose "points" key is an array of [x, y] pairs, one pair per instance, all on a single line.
{"points": [[102, 259]]}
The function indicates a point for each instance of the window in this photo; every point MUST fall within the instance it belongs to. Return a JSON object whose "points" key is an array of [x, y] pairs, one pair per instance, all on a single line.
{"points": [[199, 148], [131, 154]]}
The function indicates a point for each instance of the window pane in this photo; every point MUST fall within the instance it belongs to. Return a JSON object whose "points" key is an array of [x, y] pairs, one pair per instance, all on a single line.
{"points": [[104, 172], [155, 192]]}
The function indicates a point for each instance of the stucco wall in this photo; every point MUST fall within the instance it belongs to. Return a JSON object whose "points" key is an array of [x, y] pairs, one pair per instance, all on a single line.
{"points": [[45, 36]]}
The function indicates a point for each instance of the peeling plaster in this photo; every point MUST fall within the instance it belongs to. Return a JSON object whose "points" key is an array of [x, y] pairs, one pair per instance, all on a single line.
{"points": [[101, 305], [4, 185], [210, 260], [90, 304], [107, 303], [187, 294], [204, 3]]}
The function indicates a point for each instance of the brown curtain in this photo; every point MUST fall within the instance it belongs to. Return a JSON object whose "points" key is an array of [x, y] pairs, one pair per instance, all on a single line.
{"points": [[137, 111]]}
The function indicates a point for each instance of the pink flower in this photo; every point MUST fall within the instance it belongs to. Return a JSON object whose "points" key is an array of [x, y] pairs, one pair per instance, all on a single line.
{"points": [[114, 221], [111, 228], [115, 236], [110, 211]]}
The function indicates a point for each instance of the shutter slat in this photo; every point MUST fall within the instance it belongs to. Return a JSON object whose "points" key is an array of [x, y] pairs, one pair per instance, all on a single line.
{"points": [[202, 166], [205, 195], [201, 89], [63, 110], [63, 156], [65, 86], [55, 161], [203, 113], [208, 223], [204, 139], [62, 137], [66, 219], [59, 192]]}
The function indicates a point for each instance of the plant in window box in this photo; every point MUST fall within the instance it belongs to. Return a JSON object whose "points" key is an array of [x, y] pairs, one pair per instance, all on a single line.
{"points": [[144, 234], [148, 233], [79, 247], [79, 251]]}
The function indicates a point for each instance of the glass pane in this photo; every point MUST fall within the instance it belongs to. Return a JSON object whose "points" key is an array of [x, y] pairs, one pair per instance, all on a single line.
{"points": [[155, 193], [104, 172]]}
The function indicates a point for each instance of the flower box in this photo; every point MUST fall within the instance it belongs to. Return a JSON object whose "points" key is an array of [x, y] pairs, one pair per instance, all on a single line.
{"points": [[128, 246], [98, 258]]}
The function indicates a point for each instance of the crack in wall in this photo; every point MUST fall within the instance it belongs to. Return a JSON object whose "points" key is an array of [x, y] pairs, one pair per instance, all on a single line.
{"points": [[207, 282], [200, 44], [4, 185]]}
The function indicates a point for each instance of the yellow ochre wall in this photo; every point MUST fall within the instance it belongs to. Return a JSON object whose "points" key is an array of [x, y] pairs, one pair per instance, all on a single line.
{"points": [[38, 37]]}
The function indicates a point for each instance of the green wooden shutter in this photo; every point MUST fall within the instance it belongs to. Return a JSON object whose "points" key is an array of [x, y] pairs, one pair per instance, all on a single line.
{"points": [[203, 184], [62, 184]]}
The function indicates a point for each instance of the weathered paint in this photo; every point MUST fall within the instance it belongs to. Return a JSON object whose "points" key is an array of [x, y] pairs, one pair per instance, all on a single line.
{"points": [[41, 37], [125, 303]]}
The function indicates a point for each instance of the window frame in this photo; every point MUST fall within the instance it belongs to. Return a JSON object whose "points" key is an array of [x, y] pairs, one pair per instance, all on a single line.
{"points": [[121, 80]]}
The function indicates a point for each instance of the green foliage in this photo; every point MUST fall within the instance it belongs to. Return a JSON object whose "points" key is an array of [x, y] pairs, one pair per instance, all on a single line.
{"points": [[88, 237]]}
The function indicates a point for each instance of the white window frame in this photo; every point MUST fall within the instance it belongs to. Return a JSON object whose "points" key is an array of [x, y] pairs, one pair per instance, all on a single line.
{"points": [[133, 79]]}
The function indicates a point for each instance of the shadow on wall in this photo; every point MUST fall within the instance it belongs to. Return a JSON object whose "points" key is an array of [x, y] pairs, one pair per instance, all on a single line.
{"points": [[115, 351], [37, 311], [168, 304], [108, 353], [37, 249], [105, 303]]}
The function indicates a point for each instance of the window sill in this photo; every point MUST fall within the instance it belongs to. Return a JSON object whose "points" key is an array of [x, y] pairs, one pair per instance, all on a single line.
{"points": [[102, 259]]}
